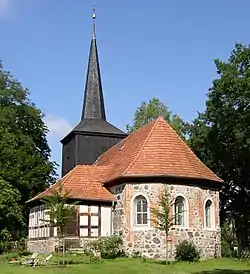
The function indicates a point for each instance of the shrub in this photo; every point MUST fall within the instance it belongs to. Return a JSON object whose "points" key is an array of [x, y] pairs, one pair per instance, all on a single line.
{"points": [[8, 256], [24, 253], [109, 247], [187, 251], [136, 254], [227, 241], [5, 246]]}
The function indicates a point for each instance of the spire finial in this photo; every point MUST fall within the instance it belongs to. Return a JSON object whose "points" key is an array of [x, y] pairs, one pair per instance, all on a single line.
{"points": [[93, 18]]}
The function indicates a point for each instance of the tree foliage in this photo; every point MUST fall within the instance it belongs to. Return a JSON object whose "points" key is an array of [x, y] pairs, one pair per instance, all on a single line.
{"points": [[162, 216], [11, 216], [58, 209], [25, 166], [152, 110], [220, 136]]}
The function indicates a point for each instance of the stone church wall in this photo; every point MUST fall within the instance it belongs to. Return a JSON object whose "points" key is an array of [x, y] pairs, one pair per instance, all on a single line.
{"points": [[150, 241]]}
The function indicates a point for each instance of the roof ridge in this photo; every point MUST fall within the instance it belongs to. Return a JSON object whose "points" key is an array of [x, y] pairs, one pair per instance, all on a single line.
{"points": [[189, 149], [100, 156], [142, 147], [113, 147]]}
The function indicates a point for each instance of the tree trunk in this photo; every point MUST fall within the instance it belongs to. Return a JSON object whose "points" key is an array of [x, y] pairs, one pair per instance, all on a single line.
{"points": [[166, 262], [63, 244]]}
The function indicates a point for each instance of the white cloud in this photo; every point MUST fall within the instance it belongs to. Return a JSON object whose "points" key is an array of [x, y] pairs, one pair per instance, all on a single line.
{"points": [[58, 126]]}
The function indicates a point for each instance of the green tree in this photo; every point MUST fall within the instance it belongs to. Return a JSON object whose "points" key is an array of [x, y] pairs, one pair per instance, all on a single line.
{"points": [[59, 210], [162, 216], [11, 216], [220, 136], [152, 110], [24, 151]]}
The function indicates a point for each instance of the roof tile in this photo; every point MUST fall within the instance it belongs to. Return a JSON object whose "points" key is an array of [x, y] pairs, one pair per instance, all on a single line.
{"points": [[84, 183], [155, 149]]}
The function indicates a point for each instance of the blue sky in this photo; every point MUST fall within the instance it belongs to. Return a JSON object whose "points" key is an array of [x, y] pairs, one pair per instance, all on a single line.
{"points": [[147, 49]]}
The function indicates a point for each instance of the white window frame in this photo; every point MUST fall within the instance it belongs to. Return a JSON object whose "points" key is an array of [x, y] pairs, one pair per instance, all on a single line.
{"points": [[186, 211], [133, 211], [212, 214]]}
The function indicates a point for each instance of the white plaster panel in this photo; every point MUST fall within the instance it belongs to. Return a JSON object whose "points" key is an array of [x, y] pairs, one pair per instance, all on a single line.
{"points": [[55, 231], [105, 221], [83, 220], [94, 209], [83, 232], [94, 232], [83, 209], [94, 220]]}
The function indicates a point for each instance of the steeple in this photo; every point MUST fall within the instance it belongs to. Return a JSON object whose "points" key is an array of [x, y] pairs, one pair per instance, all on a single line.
{"points": [[93, 135], [93, 105]]}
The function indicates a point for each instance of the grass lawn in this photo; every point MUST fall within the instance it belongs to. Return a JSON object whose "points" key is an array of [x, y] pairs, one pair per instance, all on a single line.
{"points": [[130, 266]]}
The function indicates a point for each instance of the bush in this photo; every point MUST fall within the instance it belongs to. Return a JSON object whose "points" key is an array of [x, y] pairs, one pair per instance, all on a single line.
{"points": [[5, 246], [24, 253], [109, 247], [227, 241], [9, 256], [187, 252]]}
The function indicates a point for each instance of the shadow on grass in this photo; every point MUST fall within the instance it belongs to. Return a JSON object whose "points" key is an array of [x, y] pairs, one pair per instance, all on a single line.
{"points": [[224, 271], [152, 261]]}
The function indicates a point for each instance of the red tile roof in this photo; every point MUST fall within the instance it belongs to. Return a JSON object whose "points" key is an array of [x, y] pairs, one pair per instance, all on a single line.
{"points": [[155, 149], [84, 183]]}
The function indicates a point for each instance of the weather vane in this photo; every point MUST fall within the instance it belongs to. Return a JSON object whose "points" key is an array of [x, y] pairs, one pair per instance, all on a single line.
{"points": [[93, 17], [93, 13]]}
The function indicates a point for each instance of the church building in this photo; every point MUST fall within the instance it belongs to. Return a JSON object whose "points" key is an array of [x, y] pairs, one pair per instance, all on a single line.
{"points": [[118, 178]]}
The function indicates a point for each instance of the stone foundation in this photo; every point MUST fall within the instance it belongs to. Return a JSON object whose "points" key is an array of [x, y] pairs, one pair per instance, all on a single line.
{"points": [[152, 243], [42, 245], [48, 245]]}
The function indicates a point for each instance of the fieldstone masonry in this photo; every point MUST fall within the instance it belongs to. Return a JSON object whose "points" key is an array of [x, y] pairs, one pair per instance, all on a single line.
{"points": [[151, 242], [42, 245]]}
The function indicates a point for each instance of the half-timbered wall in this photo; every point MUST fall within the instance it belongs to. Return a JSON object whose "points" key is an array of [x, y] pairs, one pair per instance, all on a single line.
{"points": [[94, 221], [38, 228], [88, 221]]}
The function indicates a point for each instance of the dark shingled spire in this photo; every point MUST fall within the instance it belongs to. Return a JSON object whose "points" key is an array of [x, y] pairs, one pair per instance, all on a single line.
{"points": [[93, 135], [93, 105]]}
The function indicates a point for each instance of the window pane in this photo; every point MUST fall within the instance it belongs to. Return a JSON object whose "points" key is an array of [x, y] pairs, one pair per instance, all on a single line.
{"points": [[139, 219], [139, 206], [145, 218], [208, 214], [179, 219], [141, 210], [144, 206], [180, 207], [179, 211]]}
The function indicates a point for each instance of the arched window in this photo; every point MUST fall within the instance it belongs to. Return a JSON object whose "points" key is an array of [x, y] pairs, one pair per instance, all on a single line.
{"points": [[208, 214], [141, 211], [180, 211]]}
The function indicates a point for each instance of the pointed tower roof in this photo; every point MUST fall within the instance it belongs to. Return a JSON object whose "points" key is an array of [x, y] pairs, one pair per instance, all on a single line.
{"points": [[93, 105], [155, 150], [93, 118]]}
